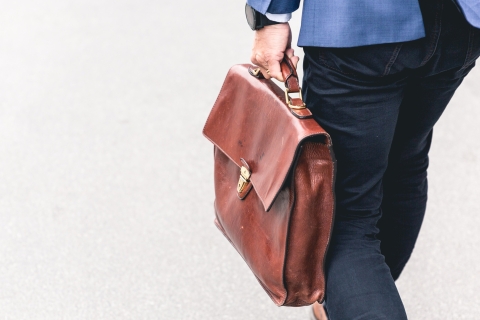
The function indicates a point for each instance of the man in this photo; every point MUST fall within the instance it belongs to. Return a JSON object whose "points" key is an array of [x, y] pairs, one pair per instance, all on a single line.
{"points": [[377, 77]]}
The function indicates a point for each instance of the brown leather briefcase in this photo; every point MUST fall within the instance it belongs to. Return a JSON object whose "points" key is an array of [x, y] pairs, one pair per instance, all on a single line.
{"points": [[274, 175]]}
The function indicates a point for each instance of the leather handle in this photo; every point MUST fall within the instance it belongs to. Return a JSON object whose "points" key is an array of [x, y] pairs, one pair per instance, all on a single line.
{"points": [[292, 85], [288, 72], [289, 75]]}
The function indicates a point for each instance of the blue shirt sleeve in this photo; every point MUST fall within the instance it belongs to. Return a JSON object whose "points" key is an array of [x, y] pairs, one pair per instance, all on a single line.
{"points": [[274, 6]]}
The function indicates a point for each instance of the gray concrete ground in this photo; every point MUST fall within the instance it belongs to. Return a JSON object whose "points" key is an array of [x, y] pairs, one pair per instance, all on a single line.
{"points": [[106, 185]]}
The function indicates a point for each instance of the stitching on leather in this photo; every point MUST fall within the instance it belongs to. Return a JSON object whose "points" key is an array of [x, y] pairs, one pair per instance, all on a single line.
{"points": [[392, 59]]}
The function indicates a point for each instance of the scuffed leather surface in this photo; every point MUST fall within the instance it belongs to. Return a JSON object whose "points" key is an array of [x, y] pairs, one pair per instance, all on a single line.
{"points": [[249, 120], [259, 238], [292, 176], [285, 247], [310, 225]]}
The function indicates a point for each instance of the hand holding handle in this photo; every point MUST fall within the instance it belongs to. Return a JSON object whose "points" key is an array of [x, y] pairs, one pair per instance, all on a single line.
{"points": [[292, 85]]}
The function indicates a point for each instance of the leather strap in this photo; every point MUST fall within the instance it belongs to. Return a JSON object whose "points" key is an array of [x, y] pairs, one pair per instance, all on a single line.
{"points": [[292, 85], [289, 75]]}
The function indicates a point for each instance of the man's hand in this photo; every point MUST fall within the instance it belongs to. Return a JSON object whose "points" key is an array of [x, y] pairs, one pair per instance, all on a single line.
{"points": [[270, 45]]}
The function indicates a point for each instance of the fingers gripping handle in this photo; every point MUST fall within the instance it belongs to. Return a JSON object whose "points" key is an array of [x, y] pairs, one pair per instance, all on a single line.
{"points": [[288, 72], [292, 85]]}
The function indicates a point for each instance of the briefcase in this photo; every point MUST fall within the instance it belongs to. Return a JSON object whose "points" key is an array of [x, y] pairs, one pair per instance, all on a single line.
{"points": [[274, 174]]}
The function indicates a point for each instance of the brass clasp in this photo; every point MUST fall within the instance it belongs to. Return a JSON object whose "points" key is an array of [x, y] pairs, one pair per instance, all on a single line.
{"points": [[244, 179], [255, 71], [288, 100]]}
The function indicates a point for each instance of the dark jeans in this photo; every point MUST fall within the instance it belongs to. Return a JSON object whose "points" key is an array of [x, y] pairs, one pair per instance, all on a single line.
{"points": [[380, 103]]}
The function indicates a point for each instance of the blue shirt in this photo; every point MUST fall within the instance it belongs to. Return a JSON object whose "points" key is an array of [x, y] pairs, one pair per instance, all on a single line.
{"points": [[350, 23]]}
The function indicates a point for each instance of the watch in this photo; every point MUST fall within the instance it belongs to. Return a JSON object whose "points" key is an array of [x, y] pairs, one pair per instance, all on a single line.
{"points": [[256, 20]]}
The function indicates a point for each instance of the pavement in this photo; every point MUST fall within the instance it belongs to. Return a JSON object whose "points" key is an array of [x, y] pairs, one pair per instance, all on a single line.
{"points": [[106, 191]]}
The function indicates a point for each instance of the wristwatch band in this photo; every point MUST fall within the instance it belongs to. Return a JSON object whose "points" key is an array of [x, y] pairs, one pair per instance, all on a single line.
{"points": [[264, 21], [256, 20]]}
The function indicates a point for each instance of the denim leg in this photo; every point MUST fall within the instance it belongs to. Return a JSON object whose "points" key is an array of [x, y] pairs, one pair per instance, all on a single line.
{"points": [[379, 103], [360, 114], [359, 283], [405, 182]]}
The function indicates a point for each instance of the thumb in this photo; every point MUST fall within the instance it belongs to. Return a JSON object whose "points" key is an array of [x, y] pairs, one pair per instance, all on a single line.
{"points": [[295, 60], [291, 55]]}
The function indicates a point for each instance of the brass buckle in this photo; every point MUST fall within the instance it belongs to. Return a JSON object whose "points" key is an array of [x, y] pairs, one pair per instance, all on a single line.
{"points": [[244, 179], [288, 100], [255, 71]]}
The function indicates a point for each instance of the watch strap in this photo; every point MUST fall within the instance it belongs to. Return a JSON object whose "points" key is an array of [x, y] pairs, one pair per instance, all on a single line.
{"points": [[263, 21], [257, 20]]}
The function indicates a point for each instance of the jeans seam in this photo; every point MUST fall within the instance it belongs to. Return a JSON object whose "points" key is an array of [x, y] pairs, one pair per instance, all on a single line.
{"points": [[323, 61], [436, 35], [392, 59], [468, 57]]}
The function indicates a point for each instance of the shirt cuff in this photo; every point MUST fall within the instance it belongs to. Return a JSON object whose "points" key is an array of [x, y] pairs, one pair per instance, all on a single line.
{"points": [[279, 17]]}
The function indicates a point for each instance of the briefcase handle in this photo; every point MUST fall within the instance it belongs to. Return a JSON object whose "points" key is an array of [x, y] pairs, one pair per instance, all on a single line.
{"points": [[292, 85]]}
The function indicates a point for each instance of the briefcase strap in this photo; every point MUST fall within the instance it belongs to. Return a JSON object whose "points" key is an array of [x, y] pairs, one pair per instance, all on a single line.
{"points": [[292, 85], [290, 75]]}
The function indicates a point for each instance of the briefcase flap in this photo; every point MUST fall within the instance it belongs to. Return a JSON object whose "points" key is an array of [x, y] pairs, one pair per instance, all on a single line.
{"points": [[251, 120]]}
